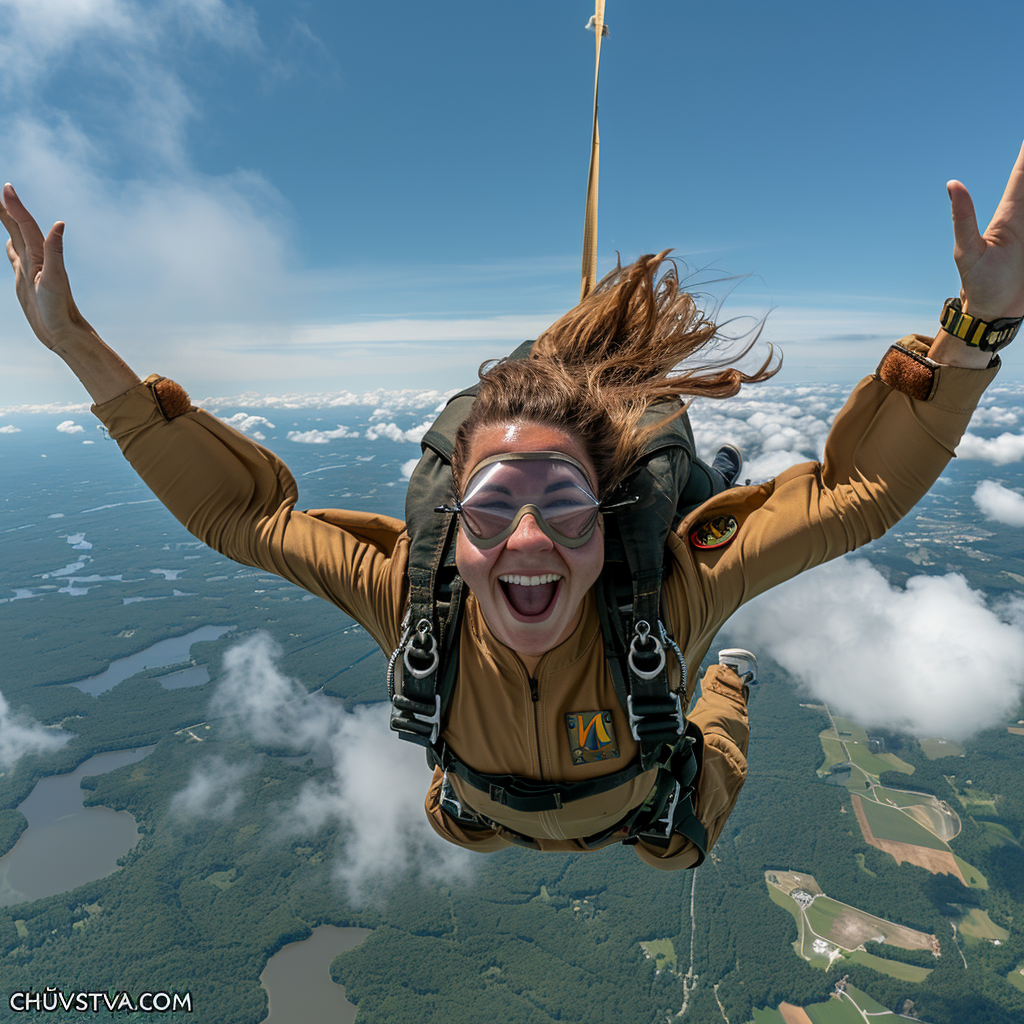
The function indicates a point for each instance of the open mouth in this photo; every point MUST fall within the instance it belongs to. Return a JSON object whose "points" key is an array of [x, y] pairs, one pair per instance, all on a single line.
{"points": [[530, 598]]}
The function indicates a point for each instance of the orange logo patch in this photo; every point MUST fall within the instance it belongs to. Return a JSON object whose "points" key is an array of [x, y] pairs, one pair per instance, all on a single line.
{"points": [[715, 532], [591, 736]]}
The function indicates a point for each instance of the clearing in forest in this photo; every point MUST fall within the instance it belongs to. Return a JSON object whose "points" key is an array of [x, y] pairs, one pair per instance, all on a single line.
{"points": [[851, 1006], [829, 930], [978, 925]]}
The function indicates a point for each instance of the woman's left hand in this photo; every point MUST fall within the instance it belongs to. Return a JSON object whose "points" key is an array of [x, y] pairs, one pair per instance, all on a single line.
{"points": [[991, 265]]}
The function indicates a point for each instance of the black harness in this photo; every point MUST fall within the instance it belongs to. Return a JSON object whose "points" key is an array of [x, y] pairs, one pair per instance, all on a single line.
{"points": [[667, 485]]}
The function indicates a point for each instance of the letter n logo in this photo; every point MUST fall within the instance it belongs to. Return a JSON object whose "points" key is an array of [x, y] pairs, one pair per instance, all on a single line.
{"points": [[591, 736]]}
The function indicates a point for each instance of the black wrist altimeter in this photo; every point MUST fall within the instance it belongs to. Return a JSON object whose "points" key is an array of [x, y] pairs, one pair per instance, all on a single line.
{"points": [[989, 337]]}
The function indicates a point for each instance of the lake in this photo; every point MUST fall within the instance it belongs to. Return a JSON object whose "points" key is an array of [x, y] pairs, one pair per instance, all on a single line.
{"points": [[298, 979], [67, 844], [165, 652]]}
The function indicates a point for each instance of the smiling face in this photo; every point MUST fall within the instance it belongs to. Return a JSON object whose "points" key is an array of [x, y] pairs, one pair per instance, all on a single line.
{"points": [[530, 588]]}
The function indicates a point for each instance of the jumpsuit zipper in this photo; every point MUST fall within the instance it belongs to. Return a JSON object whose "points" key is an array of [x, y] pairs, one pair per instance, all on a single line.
{"points": [[535, 697]]}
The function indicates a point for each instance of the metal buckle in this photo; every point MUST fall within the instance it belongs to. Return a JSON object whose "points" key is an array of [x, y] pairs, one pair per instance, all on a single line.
{"points": [[676, 715], [643, 638], [423, 645]]}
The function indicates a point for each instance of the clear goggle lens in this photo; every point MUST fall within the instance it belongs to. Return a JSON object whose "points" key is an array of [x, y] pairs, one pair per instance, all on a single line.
{"points": [[550, 486]]}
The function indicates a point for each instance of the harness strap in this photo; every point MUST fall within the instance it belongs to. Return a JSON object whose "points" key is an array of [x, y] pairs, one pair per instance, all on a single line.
{"points": [[530, 796], [668, 809]]}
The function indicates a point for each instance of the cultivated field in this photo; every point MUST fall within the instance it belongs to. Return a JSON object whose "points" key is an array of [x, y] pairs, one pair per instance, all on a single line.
{"points": [[892, 824], [939, 747], [977, 924], [938, 862]]}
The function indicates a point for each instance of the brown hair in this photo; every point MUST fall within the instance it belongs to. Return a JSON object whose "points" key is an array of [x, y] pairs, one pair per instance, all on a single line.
{"points": [[595, 371]]}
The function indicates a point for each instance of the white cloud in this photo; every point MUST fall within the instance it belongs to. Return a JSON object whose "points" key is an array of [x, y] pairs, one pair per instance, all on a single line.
{"points": [[999, 503], [10, 429], [994, 416], [393, 432], [78, 542], [931, 659], [20, 735], [999, 450], [376, 792], [213, 790], [408, 467], [70, 427], [247, 424], [321, 436]]}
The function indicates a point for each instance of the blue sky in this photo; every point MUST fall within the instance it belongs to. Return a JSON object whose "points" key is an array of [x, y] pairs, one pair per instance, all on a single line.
{"points": [[295, 196]]}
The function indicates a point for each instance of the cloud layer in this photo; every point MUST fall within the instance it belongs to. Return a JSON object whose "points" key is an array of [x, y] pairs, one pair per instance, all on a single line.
{"points": [[376, 790], [939, 661]]}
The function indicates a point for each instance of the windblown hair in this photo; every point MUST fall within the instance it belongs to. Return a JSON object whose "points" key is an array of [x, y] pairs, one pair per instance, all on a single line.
{"points": [[635, 340]]}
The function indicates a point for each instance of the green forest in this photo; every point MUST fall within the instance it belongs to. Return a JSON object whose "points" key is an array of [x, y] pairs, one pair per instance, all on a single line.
{"points": [[200, 905]]}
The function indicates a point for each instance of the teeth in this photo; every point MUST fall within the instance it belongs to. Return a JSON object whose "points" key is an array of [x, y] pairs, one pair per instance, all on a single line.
{"points": [[530, 581]]}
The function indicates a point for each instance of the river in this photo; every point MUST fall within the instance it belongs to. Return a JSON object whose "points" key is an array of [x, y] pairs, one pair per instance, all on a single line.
{"points": [[298, 979], [67, 844]]}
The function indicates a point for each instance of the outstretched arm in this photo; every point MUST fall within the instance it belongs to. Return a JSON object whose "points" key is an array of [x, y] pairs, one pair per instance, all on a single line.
{"points": [[43, 290], [991, 265]]}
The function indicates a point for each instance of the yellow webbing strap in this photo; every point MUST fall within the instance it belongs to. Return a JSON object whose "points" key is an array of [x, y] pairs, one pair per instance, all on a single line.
{"points": [[588, 276]]}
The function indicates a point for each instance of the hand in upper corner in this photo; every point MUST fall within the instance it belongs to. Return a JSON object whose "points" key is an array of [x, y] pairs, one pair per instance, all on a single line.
{"points": [[991, 265], [43, 289]]}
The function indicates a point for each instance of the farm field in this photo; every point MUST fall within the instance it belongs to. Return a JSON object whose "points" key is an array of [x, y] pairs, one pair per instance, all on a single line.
{"points": [[845, 929], [889, 823], [899, 797], [875, 764], [972, 876], [894, 968], [833, 1011], [834, 752], [662, 952], [937, 747], [1016, 977], [978, 925]]}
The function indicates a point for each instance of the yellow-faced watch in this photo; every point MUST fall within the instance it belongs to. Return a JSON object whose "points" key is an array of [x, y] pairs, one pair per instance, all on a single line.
{"points": [[987, 336]]}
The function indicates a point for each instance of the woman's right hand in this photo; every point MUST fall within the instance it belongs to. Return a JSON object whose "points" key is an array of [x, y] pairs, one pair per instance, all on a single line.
{"points": [[44, 292], [40, 279]]}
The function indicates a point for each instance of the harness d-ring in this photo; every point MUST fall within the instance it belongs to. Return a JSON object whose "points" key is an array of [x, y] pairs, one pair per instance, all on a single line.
{"points": [[644, 638]]}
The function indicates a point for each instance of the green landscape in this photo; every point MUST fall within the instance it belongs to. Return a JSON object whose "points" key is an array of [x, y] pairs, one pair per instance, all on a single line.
{"points": [[201, 902]]}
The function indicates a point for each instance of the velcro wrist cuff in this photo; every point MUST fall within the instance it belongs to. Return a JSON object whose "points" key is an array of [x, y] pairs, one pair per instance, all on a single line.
{"points": [[171, 399], [908, 372]]}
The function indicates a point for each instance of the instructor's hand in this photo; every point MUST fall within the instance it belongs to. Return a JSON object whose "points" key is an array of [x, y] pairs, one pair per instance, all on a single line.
{"points": [[991, 265], [40, 280]]}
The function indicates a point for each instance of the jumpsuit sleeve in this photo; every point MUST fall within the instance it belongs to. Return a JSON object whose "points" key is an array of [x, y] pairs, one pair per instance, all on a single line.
{"points": [[887, 446], [239, 498], [883, 453]]}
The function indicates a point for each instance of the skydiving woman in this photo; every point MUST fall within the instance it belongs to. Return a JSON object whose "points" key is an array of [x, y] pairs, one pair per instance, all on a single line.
{"points": [[537, 468]]}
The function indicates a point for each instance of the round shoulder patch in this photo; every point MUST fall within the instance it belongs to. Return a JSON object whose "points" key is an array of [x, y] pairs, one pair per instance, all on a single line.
{"points": [[715, 532]]}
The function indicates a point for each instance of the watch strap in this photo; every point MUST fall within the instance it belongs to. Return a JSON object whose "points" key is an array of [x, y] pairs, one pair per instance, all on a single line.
{"points": [[981, 334]]}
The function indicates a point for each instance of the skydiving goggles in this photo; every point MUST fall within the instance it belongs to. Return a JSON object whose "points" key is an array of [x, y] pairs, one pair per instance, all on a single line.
{"points": [[552, 487]]}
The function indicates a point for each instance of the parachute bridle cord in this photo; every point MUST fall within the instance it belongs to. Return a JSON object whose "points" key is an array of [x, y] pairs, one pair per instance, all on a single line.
{"points": [[406, 633], [588, 274], [666, 639]]}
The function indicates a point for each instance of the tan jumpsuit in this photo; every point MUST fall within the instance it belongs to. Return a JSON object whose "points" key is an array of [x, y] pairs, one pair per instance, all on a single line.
{"points": [[883, 453]]}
